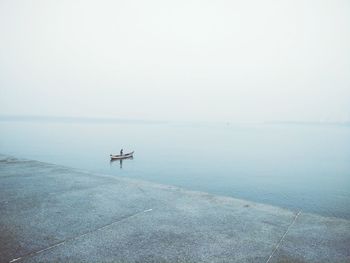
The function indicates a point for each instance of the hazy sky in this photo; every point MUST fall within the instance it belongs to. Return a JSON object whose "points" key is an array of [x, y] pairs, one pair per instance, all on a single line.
{"points": [[225, 60]]}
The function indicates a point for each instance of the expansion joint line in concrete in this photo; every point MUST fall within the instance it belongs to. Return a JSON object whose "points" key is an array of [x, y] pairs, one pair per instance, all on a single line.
{"points": [[284, 235], [78, 236]]}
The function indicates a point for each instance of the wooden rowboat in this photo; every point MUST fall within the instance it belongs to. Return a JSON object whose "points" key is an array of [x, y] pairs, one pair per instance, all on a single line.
{"points": [[120, 157]]}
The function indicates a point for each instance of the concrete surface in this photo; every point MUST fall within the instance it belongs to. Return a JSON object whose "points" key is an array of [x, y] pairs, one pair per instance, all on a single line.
{"points": [[51, 213]]}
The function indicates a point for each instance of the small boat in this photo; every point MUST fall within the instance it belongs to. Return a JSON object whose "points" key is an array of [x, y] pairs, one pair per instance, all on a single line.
{"points": [[123, 156]]}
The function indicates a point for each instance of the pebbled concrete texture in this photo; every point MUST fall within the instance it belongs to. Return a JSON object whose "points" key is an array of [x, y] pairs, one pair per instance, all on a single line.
{"points": [[51, 213]]}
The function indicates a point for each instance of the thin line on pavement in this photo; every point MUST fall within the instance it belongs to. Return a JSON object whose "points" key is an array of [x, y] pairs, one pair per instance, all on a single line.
{"points": [[78, 236], [285, 233]]}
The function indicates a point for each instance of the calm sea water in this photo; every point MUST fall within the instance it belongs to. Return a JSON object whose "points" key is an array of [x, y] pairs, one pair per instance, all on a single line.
{"points": [[303, 167]]}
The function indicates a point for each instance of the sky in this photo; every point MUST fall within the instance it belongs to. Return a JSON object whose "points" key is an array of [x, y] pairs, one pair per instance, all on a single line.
{"points": [[191, 60]]}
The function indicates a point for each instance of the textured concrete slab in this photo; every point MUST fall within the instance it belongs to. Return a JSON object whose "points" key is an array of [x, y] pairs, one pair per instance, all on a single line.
{"points": [[50, 213]]}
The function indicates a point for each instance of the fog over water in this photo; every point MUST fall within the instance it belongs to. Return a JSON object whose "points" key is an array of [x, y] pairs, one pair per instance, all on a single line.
{"points": [[176, 60], [195, 87], [299, 167]]}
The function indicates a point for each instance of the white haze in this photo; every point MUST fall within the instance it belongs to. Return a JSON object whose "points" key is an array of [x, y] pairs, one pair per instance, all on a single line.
{"points": [[218, 60]]}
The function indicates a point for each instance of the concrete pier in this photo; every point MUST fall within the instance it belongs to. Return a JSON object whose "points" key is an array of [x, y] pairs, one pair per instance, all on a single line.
{"points": [[51, 213]]}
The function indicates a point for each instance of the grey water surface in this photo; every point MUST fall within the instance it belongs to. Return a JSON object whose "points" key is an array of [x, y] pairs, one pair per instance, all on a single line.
{"points": [[296, 166]]}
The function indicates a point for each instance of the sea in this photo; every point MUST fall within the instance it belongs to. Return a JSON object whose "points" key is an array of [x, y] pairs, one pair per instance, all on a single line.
{"points": [[299, 166]]}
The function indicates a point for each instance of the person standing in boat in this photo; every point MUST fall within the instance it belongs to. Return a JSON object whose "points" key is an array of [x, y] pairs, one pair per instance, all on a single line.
{"points": [[121, 152]]}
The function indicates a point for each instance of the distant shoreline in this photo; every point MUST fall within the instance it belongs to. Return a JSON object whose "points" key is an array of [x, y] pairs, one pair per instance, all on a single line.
{"points": [[320, 123], [71, 119]]}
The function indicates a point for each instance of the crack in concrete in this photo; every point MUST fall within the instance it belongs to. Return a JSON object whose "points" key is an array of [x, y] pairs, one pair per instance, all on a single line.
{"points": [[284, 235], [78, 236]]}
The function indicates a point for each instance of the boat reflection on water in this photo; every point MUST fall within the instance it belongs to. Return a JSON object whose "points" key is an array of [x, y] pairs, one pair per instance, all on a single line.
{"points": [[121, 157], [120, 161]]}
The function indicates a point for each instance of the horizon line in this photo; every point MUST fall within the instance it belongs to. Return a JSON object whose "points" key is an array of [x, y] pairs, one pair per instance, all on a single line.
{"points": [[55, 118]]}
